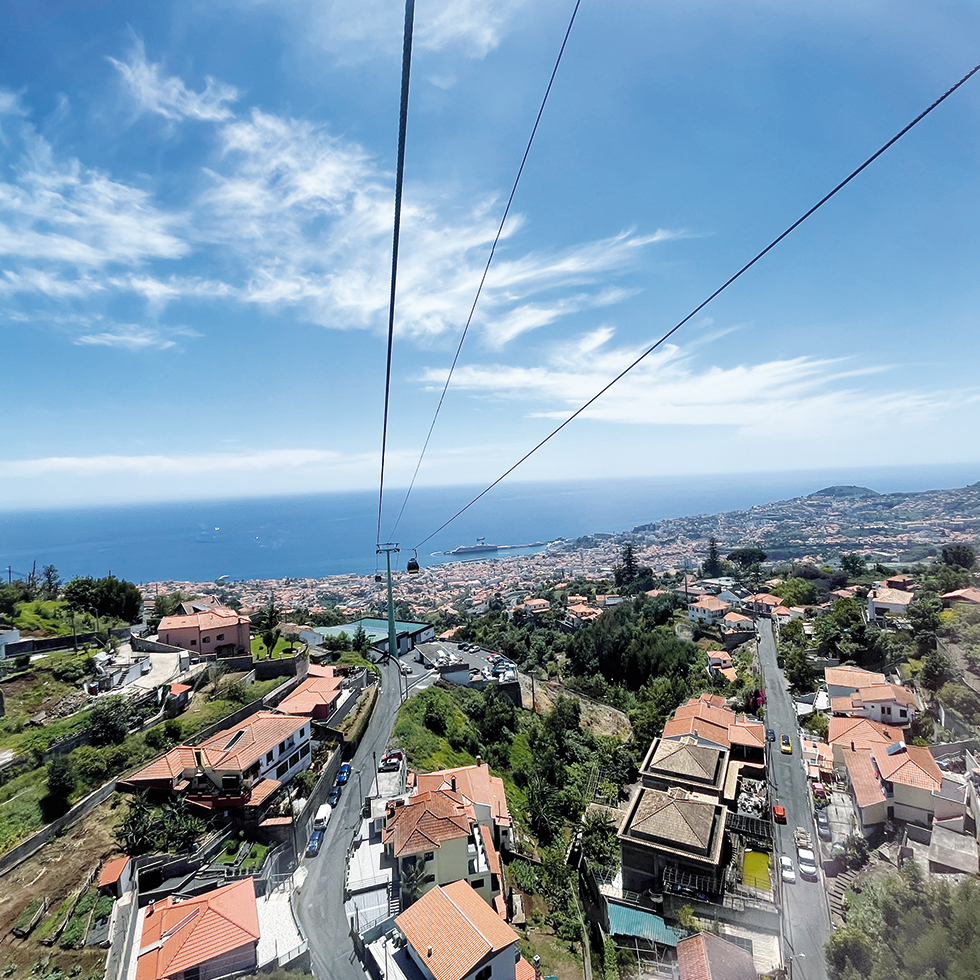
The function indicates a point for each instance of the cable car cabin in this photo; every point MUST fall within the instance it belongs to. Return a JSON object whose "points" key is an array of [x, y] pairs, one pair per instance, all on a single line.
{"points": [[378, 578], [413, 566]]}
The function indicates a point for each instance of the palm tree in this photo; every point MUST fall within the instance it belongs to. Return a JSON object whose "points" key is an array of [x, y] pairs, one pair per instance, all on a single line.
{"points": [[412, 880]]}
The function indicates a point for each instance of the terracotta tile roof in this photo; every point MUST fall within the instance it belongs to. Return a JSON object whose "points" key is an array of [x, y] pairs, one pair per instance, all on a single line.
{"points": [[232, 749], [781, 611], [262, 790], [686, 758], [864, 778], [678, 821], [321, 670], [206, 620], [459, 928], [734, 617], [260, 733], [314, 692], [863, 732], [764, 599], [181, 935], [966, 595], [168, 768], [715, 700], [493, 858], [523, 970], [113, 871], [887, 692], [176, 689], [744, 732], [427, 821], [729, 673], [891, 597], [711, 603], [854, 677], [701, 727], [474, 783], [843, 704], [913, 766], [709, 957]]}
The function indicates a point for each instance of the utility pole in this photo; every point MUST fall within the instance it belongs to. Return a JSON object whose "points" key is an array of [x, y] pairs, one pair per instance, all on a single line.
{"points": [[387, 550]]}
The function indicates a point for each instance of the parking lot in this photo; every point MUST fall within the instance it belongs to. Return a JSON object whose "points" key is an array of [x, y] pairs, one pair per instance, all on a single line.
{"points": [[475, 658]]}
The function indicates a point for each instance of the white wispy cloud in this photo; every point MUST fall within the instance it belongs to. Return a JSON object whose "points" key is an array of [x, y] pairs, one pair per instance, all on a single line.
{"points": [[62, 212], [769, 399], [291, 216], [129, 336], [167, 95], [356, 32]]}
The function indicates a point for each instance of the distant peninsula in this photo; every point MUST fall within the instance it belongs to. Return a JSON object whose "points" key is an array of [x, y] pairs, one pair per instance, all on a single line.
{"points": [[835, 521]]}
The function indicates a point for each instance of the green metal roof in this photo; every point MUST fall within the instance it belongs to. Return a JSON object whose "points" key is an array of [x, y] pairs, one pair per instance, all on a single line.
{"points": [[627, 921]]}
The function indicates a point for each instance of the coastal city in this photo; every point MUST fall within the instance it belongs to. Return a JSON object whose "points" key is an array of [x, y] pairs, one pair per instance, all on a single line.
{"points": [[487, 490], [570, 763]]}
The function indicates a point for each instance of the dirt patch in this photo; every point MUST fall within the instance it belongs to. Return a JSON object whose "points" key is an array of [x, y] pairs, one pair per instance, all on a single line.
{"points": [[597, 717], [56, 872]]}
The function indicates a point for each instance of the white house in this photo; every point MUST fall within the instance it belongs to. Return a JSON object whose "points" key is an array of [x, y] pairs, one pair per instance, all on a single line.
{"points": [[708, 609]]}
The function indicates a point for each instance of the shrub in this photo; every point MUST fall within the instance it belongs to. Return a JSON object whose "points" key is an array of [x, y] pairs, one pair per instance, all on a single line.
{"points": [[73, 934], [90, 765], [525, 876]]}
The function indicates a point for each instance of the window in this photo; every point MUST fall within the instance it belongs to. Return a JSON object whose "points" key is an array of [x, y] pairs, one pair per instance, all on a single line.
{"points": [[903, 713], [192, 973], [484, 974], [206, 639], [282, 747], [429, 855], [221, 636], [269, 756], [478, 883], [193, 643], [429, 879], [281, 769], [305, 750], [293, 760]]}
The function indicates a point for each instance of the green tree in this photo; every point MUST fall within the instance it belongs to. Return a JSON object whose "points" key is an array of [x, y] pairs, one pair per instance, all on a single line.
{"points": [[745, 557], [61, 778], [854, 565], [110, 721], [712, 564], [959, 555], [797, 592], [625, 574], [413, 877], [50, 582]]}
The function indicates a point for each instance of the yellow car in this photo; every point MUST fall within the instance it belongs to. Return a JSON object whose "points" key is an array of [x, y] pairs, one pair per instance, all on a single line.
{"points": [[785, 745]]}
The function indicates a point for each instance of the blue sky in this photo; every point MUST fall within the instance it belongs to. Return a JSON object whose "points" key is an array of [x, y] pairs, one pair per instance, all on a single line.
{"points": [[195, 214]]}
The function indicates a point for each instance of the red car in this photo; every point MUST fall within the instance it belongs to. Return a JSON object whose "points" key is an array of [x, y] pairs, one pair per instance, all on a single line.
{"points": [[779, 813]]}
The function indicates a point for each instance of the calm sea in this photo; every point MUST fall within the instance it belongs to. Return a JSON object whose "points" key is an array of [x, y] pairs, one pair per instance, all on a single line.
{"points": [[334, 533]]}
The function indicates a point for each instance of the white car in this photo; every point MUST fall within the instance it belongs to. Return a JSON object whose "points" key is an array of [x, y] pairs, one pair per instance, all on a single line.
{"points": [[405, 668], [786, 869], [808, 863]]}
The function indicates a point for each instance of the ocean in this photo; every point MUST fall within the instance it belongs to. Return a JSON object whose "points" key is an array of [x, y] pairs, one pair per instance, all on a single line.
{"points": [[335, 533]]}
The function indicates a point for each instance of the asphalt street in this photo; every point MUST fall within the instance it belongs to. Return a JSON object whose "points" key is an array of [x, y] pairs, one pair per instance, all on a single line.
{"points": [[321, 902], [806, 920]]}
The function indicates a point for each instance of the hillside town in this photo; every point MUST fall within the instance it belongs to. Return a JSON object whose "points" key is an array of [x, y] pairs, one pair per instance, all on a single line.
{"points": [[560, 767]]}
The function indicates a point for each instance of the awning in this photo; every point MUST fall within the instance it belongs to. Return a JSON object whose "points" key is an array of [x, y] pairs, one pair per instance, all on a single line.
{"points": [[625, 920]]}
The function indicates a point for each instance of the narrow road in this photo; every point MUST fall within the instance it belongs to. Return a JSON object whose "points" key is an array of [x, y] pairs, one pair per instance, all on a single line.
{"points": [[321, 902], [806, 920]]}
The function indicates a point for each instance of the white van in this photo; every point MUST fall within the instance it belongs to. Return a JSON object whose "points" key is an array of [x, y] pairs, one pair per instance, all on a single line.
{"points": [[322, 817]]}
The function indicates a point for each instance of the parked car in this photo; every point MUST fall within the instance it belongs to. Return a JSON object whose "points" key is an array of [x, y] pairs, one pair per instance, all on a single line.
{"points": [[333, 797], [316, 840], [405, 668], [463, 646], [785, 745], [823, 825], [808, 863], [770, 735], [779, 813], [343, 774], [786, 871]]}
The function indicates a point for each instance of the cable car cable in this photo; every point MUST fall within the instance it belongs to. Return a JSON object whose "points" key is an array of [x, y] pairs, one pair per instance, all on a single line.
{"points": [[399, 180], [483, 279], [697, 309]]}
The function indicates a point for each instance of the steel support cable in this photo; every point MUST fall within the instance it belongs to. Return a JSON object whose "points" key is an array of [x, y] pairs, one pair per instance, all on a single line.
{"points": [[748, 265], [483, 279], [399, 180]]}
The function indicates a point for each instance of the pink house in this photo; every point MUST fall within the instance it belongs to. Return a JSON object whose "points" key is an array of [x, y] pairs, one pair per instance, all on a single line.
{"points": [[219, 631]]}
